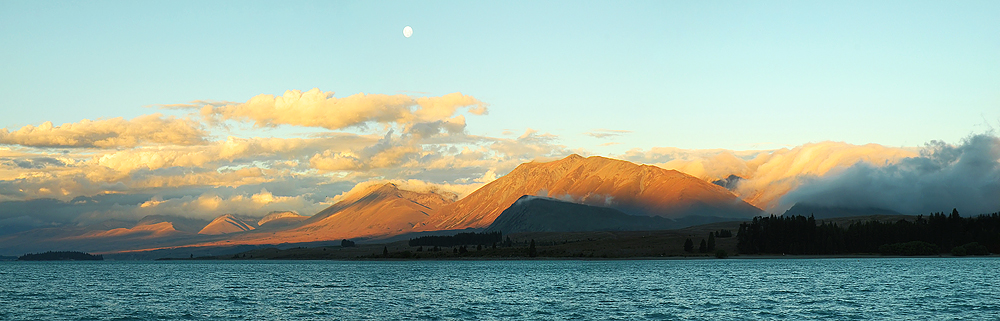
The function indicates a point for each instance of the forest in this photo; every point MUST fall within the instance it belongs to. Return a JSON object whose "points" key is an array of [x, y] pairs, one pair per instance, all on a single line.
{"points": [[931, 235]]}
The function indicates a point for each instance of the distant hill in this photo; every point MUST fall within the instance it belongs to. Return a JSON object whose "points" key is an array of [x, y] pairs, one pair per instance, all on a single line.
{"points": [[825, 212], [539, 214], [625, 186]]}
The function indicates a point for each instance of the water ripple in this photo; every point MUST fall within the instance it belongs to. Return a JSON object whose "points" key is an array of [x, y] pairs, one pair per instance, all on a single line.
{"points": [[779, 289]]}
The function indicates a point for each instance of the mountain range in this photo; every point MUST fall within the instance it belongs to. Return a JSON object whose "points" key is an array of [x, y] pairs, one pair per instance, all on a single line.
{"points": [[571, 194]]}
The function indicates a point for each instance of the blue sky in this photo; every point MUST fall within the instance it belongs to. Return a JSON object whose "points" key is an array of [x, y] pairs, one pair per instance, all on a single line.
{"points": [[729, 75]]}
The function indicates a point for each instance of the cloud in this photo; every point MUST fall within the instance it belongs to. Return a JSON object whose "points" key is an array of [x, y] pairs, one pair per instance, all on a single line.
{"points": [[315, 108], [385, 153], [34, 163], [666, 154], [108, 133], [455, 125], [530, 146], [942, 177], [606, 133]]}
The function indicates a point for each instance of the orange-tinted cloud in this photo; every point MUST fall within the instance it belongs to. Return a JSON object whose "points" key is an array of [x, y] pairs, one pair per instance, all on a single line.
{"points": [[769, 175], [965, 176], [315, 108], [108, 133]]}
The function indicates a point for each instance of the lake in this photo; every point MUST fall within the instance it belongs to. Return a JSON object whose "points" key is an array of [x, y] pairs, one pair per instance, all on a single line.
{"points": [[731, 289]]}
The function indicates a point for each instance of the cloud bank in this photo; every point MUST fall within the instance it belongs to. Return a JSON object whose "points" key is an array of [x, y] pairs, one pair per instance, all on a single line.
{"points": [[942, 177], [769, 175]]}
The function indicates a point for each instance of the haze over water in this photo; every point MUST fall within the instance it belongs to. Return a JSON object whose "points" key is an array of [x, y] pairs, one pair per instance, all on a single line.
{"points": [[752, 289]]}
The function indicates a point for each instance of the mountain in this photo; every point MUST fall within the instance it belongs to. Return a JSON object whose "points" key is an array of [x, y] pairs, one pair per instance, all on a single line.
{"points": [[281, 218], [183, 224], [539, 214], [825, 212], [226, 224], [376, 211], [147, 231], [625, 186]]}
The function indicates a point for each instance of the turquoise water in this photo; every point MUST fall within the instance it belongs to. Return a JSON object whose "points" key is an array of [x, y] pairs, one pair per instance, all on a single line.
{"points": [[734, 289]]}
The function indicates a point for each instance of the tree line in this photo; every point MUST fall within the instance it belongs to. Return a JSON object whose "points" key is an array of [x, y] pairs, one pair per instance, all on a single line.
{"points": [[934, 234], [459, 239]]}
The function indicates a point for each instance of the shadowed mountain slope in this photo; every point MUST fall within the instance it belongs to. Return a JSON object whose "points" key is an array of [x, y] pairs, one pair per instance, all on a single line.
{"points": [[625, 186], [538, 214]]}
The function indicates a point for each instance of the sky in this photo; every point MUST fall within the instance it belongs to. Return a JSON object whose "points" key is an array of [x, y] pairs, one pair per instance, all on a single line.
{"points": [[180, 103]]}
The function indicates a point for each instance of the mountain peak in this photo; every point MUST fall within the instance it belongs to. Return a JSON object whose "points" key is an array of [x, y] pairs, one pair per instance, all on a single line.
{"points": [[277, 215], [225, 224], [388, 187]]}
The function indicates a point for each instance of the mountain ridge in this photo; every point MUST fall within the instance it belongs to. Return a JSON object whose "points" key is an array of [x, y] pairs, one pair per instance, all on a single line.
{"points": [[632, 188]]}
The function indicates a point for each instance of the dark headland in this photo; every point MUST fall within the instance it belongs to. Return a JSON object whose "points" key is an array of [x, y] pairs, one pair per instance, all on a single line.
{"points": [[60, 256]]}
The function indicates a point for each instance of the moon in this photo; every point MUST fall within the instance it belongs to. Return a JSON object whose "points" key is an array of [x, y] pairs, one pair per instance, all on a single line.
{"points": [[407, 31]]}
